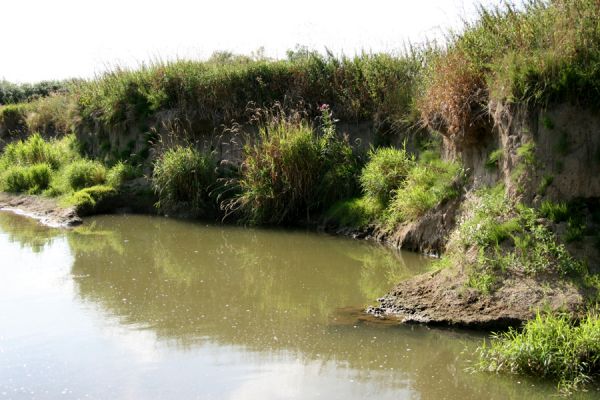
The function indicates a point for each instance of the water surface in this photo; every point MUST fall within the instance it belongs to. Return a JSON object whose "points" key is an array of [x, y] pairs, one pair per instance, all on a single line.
{"points": [[137, 307]]}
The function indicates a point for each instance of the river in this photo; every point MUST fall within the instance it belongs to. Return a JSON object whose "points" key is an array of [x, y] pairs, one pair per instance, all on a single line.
{"points": [[140, 307]]}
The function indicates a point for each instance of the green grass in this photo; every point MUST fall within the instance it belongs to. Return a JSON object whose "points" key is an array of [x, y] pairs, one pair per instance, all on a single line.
{"points": [[30, 179], [494, 159], [55, 168], [550, 346], [536, 54], [509, 237], [355, 213], [220, 89], [87, 200], [84, 173], [183, 178], [556, 212], [384, 173], [428, 183], [293, 172]]}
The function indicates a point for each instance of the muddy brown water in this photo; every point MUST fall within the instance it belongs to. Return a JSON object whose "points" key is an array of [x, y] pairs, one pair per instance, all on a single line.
{"points": [[138, 307]]}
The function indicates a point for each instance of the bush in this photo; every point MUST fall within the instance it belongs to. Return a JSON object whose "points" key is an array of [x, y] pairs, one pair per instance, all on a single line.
{"points": [[89, 199], [385, 172], [355, 213], [54, 114], [13, 118], [31, 179], [292, 171], [36, 150], [120, 173], [556, 212], [550, 346], [84, 173], [429, 182], [182, 178]]}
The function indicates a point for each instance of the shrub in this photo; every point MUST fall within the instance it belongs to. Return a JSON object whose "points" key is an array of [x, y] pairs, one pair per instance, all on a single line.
{"points": [[84, 173], [89, 199], [120, 173], [54, 114], [183, 177], [427, 184], [13, 118], [36, 150], [556, 212], [11, 93], [32, 179], [385, 172], [355, 213], [550, 346], [292, 171]]}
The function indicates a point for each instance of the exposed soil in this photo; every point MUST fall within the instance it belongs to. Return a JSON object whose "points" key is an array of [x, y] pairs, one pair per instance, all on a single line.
{"points": [[45, 210], [442, 298]]}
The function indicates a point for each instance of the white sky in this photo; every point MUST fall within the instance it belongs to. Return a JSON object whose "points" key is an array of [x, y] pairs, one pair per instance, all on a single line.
{"points": [[56, 39]]}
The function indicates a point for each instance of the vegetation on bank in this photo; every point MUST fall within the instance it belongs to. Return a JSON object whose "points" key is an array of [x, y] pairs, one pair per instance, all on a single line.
{"points": [[540, 52], [399, 187], [298, 168], [55, 168], [550, 346]]}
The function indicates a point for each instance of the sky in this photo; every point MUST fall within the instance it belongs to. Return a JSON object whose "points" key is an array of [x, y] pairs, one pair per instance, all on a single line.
{"points": [[61, 39]]}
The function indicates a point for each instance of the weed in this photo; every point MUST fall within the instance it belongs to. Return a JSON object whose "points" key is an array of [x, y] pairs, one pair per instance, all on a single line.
{"points": [[547, 122], [494, 159], [293, 171], [556, 212], [429, 182], [31, 179], [385, 172], [545, 183], [84, 173], [549, 346], [183, 178]]}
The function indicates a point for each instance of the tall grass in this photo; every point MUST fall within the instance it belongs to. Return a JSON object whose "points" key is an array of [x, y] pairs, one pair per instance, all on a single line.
{"points": [[538, 52], [55, 168], [365, 87], [428, 183], [385, 172], [550, 346], [293, 171], [184, 178]]}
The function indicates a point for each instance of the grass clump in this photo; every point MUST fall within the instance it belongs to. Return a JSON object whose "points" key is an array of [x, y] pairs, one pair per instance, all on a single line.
{"points": [[30, 179], [508, 237], [556, 212], [494, 159], [36, 150], [183, 179], [89, 199], [550, 346], [385, 172], [13, 118], [120, 173], [293, 170], [83, 173], [428, 183], [55, 168], [356, 213]]}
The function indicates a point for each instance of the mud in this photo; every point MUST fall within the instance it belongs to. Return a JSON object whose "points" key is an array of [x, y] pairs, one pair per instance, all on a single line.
{"points": [[46, 210]]}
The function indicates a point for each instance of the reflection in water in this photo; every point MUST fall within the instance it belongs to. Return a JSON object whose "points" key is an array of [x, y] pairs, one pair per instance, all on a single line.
{"points": [[226, 312]]}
